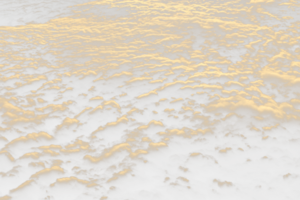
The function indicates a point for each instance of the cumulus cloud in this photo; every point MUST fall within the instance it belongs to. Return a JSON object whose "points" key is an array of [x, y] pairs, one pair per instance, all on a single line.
{"points": [[149, 99]]}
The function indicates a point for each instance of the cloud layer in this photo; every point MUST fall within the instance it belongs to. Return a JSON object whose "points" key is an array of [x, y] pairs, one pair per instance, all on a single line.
{"points": [[23, 11], [149, 99]]}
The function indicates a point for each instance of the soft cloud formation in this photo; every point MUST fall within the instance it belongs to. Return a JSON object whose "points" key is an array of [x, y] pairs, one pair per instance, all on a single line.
{"points": [[151, 99]]}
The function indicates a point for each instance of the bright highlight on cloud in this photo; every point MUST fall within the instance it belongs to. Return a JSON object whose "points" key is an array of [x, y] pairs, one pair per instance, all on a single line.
{"points": [[149, 99]]}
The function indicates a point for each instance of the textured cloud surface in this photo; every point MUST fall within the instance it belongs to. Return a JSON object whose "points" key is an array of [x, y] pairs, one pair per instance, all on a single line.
{"points": [[149, 99], [21, 12]]}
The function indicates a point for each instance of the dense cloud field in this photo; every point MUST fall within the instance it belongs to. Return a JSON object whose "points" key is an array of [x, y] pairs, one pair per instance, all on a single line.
{"points": [[17, 12], [149, 100]]}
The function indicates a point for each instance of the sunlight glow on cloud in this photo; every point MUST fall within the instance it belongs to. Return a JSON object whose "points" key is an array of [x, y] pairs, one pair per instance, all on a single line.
{"points": [[149, 99]]}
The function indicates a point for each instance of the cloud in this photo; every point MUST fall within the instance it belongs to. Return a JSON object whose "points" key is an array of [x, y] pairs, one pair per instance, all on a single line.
{"points": [[30, 140], [126, 179], [67, 129], [48, 175], [96, 100], [7, 160], [111, 130], [32, 84], [29, 188], [113, 81], [110, 109], [27, 11], [114, 154], [67, 187], [147, 97], [151, 100], [153, 126]]}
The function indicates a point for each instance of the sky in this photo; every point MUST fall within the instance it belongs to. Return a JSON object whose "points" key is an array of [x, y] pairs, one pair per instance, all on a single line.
{"points": [[155, 99]]}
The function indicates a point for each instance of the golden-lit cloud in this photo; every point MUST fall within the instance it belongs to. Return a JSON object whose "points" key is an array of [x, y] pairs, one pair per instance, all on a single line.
{"points": [[136, 99]]}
